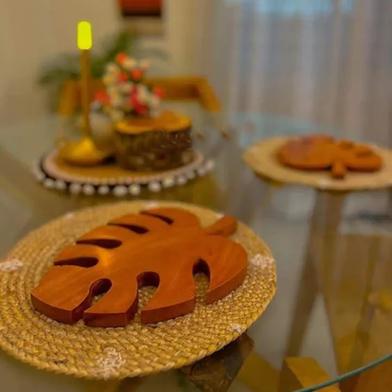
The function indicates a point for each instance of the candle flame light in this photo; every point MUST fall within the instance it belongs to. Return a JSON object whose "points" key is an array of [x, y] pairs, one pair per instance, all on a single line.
{"points": [[85, 39]]}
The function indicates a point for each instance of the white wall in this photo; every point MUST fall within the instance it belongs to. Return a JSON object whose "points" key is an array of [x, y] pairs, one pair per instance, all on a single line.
{"points": [[31, 32]]}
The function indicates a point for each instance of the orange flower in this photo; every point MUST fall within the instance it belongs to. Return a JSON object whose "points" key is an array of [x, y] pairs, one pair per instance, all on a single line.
{"points": [[121, 57], [136, 74]]}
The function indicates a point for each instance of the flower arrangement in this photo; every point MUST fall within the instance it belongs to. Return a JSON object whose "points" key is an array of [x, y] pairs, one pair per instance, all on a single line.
{"points": [[57, 71], [125, 92]]}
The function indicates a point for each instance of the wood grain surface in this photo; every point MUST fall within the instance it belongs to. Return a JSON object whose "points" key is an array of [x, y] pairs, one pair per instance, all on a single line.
{"points": [[161, 247], [320, 152]]}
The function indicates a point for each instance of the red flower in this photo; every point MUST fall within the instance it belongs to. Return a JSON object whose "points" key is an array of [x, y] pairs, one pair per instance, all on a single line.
{"points": [[158, 91], [121, 57], [122, 76], [141, 109], [102, 97], [137, 106]]}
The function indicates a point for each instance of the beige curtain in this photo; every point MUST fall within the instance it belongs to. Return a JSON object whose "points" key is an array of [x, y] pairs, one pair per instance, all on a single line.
{"points": [[327, 61]]}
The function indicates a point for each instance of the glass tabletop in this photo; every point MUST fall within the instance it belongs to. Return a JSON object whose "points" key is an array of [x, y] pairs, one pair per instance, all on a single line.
{"points": [[332, 250]]}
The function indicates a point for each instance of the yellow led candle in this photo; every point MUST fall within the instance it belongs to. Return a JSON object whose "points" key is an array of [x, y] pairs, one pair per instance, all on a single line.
{"points": [[85, 38]]}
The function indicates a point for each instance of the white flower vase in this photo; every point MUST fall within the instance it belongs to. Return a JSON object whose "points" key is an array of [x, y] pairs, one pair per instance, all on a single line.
{"points": [[102, 130]]}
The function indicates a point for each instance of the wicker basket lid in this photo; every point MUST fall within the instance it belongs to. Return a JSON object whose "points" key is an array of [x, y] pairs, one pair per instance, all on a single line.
{"points": [[166, 121]]}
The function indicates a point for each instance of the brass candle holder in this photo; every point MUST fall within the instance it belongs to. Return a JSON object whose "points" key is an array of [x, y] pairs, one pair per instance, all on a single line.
{"points": [[84, 152]]}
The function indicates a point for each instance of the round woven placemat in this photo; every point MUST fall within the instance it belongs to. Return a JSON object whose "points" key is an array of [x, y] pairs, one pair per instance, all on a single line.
{"points": [[261, 157], [110, 178], [137, 349]]}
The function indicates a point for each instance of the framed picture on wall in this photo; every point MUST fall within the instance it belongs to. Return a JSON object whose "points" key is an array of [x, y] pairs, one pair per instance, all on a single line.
{"points": [[141, 7]]}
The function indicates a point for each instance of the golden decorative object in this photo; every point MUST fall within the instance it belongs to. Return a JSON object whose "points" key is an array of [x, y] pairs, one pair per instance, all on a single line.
{"points": [[83, 152]]}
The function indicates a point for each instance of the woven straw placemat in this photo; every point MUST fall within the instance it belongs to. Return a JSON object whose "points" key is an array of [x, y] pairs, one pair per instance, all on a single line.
{"points": [[137, 349], [261, 157]]}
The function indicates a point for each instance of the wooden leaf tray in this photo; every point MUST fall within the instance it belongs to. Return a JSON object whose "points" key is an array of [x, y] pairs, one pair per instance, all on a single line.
{"points": [[264, 158], [321, 152], [163, 247]]}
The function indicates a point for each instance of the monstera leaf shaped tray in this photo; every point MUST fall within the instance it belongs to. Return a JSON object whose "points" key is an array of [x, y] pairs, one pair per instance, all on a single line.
{"points": [[322, 162], [78, 294]]}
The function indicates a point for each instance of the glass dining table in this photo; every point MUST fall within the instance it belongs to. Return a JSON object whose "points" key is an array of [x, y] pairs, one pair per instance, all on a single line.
{"points": [[332, 250]]}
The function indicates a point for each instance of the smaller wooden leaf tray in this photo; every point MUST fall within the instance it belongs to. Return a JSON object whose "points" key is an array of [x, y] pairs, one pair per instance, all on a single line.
{"points": [[263, 158], [162, 247], [319, 152]]}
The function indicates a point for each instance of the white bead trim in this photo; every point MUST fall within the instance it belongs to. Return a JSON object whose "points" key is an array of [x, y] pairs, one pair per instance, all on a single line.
{"points": [[131, 186], [60, 185], [88, 189], [134, 189], [120, 190], [168, 182], [154, 186], [103, 190], [48, 183], [75, 188], [181, 180]]}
